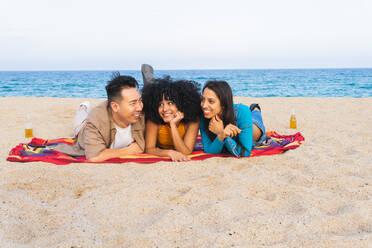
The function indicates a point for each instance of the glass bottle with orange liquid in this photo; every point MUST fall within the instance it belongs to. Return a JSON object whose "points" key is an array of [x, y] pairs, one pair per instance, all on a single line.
{"points": [[292, 120], [28, 127]]}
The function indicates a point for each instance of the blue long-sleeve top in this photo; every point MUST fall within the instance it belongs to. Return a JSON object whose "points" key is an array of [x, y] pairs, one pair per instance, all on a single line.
{"points": [[243, 147]]}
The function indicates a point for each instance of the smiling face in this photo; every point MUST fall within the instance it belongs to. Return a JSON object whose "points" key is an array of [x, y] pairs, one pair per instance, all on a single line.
{"points": [[167, 110], [210, 104], [128, 110]]}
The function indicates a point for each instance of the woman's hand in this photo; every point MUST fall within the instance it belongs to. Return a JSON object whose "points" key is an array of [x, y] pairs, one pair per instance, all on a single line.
{"points": [[178, 157], [231, 130], [216, 125], [177, 118]]}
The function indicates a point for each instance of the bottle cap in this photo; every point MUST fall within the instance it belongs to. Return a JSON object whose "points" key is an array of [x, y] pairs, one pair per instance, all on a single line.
{"points": [[293, 112]]}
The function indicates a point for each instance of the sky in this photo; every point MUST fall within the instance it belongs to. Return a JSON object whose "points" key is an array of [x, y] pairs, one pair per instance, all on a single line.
{"points": [[192, 34]]}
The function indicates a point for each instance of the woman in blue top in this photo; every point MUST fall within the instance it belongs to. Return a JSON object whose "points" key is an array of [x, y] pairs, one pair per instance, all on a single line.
{"points": [[227, 126]]}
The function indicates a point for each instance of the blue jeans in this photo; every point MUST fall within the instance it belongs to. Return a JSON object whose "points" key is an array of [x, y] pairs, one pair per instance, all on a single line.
{"points": [[257, 120]]}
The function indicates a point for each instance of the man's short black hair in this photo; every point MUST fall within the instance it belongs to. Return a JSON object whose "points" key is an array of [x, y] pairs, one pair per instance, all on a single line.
{"points": [[116, 84]]}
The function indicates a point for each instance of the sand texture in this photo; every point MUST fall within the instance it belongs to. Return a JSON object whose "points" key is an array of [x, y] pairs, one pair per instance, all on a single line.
{"points": [[318, 195]]}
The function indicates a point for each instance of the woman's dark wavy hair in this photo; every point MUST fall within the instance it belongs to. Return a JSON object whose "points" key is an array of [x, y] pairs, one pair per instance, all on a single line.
{"points": [[223, 91], [184, 93]]}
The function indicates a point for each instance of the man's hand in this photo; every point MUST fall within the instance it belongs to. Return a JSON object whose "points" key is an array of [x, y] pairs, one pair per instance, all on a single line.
{"points": [[133, 148]]}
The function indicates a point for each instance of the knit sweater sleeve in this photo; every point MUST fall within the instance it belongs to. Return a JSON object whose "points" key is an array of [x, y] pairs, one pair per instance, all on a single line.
{"points": [[243, 147], [209, 146]]}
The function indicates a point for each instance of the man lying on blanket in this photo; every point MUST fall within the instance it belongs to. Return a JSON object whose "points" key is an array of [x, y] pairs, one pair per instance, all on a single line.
{"points": [[112, 129]]}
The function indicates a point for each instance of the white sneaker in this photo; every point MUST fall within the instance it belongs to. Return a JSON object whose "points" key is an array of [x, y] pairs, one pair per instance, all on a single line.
{"points": [[81, 116], [85, 105]]}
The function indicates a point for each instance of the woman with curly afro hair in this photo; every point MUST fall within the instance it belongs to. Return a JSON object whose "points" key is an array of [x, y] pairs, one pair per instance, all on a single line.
{"points": [[172, 110]]}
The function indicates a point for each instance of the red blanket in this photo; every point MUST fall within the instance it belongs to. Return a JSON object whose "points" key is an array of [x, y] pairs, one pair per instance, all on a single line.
{"points": [[42, 150]]}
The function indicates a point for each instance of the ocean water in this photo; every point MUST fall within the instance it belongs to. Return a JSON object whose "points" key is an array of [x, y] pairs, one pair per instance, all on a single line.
{"points": [[248, 83]]}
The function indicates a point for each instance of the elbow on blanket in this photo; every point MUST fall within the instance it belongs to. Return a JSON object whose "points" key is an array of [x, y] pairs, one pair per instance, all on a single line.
{"points": [[208, 150], [246, 153], [94, 159]]}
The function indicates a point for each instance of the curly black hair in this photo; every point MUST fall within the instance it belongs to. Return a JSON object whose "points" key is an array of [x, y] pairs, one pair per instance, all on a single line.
{"points": [[184, 93]]}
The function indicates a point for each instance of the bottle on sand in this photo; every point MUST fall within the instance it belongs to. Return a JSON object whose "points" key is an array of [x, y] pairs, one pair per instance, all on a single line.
{"points": [[28, 127], [292, 120]]}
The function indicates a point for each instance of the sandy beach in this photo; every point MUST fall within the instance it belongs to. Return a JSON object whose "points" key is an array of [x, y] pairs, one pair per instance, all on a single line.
{"points": [[318, 195]]}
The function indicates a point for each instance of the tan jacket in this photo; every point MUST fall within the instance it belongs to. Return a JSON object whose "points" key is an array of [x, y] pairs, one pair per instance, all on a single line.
{"points": [[99, 132]]}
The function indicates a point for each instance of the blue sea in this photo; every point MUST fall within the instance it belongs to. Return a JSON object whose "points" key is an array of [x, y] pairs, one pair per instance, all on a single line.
{"points": [[247, 83]]}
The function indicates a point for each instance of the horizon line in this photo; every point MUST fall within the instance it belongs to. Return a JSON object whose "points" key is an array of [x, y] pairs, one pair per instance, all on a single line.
{"points": [[180, 69]]}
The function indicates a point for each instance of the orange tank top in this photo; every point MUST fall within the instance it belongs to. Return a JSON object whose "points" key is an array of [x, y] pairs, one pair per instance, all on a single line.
{"points": [[165, 137]]}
